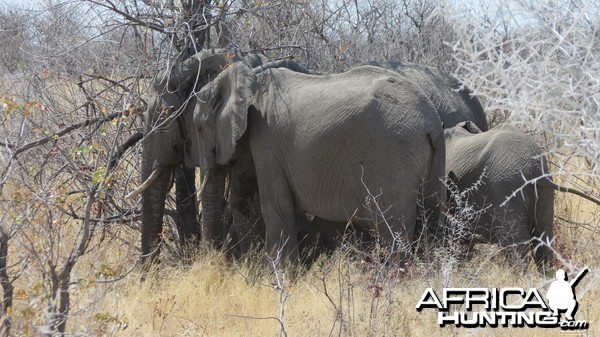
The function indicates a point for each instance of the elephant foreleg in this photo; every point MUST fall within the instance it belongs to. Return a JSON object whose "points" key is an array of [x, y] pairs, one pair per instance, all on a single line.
{"points": [[244, 203], [281, 238], [213, 206]]}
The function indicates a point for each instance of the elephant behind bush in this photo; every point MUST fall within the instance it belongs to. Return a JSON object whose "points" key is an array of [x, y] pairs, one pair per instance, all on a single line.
{"points": [[511, 188]]}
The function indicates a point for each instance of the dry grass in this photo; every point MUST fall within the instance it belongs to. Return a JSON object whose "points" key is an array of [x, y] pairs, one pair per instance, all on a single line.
{"points": [[341, 295], [337, 297]]}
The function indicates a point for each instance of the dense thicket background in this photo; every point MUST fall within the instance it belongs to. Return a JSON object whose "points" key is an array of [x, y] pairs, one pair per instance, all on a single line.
{"points": [[74, 73]]}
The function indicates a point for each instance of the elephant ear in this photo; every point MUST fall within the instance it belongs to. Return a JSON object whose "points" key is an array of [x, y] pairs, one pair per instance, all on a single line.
{"points": [[471, 127], [227, 98]]}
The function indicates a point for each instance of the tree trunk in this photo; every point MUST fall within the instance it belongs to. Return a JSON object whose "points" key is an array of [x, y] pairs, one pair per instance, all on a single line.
{"points": [[6, 283]]}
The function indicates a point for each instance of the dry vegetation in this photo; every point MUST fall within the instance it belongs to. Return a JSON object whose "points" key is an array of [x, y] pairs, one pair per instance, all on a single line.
{"points": [[73, 75]]}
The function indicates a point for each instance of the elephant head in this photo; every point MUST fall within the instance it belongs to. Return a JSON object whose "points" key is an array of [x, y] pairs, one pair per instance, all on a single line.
{"points": [[220, 116], [460, 130], [166, 139]]}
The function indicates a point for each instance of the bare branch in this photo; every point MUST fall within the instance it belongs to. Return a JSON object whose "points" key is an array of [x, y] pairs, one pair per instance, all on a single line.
{"points": [[64, 131]]}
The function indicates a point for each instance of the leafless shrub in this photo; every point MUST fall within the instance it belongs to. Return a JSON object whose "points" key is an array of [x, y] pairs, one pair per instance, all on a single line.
{"points": [[461, 217], [537, 64]]}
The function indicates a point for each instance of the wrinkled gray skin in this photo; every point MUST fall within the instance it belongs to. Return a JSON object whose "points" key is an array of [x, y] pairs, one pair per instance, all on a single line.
{"points": [[453, 101], [512, 162], [318, 143], [165, 136], [247, 225]]}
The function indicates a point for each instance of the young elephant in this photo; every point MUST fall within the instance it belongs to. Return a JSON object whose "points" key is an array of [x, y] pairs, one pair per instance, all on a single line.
{"points": [[516, 194]]}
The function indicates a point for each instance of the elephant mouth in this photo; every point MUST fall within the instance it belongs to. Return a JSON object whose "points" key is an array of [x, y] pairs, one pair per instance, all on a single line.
{"points": [[144, 186]]}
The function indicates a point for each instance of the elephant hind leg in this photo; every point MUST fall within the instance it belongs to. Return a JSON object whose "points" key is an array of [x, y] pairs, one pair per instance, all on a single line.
{"points": [[543, 256], [542, 233], [397, 229], [512, 231]]}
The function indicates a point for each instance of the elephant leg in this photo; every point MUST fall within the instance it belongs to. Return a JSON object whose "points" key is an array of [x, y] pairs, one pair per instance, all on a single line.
{"points": [[512, 231], [213, 207], [543, 230], [428, 229], [245, 224], [397, 229], [281, 237], [244, 203], [316, 237], [188, 226]]}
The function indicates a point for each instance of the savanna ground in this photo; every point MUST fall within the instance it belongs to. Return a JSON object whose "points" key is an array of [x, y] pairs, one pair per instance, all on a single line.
{"points": [[341, 295], [74, 74]]}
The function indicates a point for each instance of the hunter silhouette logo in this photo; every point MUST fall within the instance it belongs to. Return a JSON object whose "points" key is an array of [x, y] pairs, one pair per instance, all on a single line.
{"points": [[561, 294], [508, 306]]}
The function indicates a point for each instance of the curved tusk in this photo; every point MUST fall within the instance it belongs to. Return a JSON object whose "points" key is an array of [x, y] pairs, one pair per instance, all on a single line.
{"points": [[204, 182], [153, 176]]}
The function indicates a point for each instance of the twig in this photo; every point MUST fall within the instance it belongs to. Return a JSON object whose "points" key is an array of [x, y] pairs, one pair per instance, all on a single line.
{"points": [[63, 132]]}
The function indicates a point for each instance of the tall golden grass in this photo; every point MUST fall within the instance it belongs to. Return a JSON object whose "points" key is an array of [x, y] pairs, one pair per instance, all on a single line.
{"points": [[341, 295]]}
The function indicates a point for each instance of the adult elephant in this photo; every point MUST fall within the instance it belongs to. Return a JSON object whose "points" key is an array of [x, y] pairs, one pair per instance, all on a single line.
{"points": [[510, 188], [359, 145], [453, 101], [165, 136]]}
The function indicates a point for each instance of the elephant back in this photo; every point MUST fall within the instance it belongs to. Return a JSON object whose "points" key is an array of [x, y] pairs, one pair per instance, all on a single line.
{"points": [[501, 154], [454, 102]]}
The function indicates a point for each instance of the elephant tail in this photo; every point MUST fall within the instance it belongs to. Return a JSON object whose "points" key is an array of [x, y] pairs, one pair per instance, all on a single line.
{"points": [[434, 190], [551, 184]]}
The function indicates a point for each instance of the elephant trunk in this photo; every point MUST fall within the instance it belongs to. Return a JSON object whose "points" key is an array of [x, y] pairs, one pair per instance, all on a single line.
{"points": [[213, 206], [153, 202]]}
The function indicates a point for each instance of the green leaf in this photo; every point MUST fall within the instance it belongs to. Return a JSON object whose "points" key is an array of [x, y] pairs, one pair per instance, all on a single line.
{"points": [[98, 175]]}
